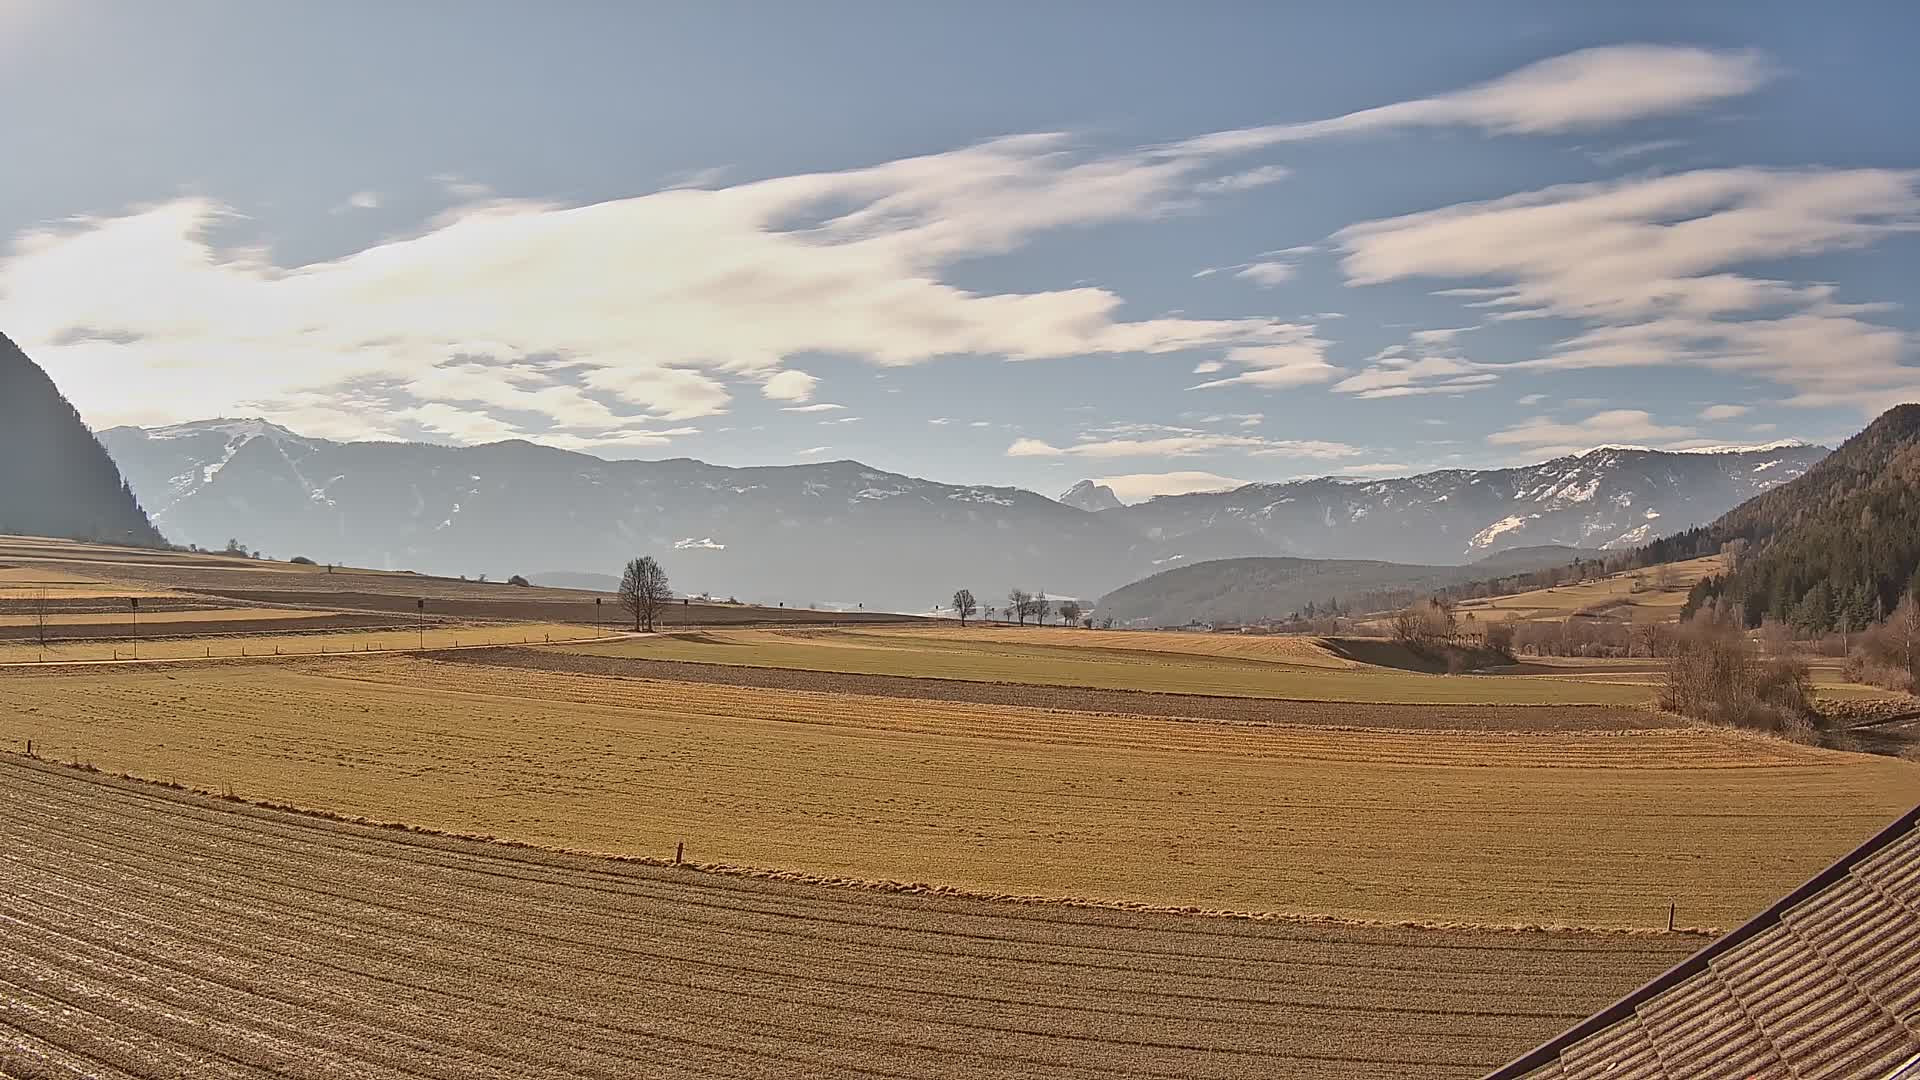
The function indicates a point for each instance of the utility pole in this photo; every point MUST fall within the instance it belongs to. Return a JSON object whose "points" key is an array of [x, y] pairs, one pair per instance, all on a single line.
{"points": [[134, 603], [420, 605], [597, 630]]}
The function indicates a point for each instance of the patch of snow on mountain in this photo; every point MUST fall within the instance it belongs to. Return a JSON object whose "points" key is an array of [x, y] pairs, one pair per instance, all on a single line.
{"points": [[1632, 537], [975, 495], [1494, 531], [1765, 465]]}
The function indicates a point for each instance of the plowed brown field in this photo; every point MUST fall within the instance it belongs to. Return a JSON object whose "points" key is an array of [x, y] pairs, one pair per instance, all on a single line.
{"points": [[149, 933], [1520, 828]]}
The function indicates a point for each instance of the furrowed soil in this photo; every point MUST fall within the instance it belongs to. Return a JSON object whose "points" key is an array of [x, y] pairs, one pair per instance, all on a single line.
{"points": [[227, 640], [152, 933], [992, 657], [1598, 829]]}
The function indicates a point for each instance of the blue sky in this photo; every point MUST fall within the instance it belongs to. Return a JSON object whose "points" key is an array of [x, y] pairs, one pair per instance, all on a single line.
{"points": [[1005, 243]]}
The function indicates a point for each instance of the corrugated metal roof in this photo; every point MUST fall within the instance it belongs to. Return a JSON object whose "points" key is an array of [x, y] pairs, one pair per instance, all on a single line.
{"points": [[1823, 984]]}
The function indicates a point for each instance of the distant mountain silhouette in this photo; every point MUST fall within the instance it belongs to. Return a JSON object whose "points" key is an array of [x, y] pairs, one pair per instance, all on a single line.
{"points": [[55, 479], [845, 533], [1091, 497]]}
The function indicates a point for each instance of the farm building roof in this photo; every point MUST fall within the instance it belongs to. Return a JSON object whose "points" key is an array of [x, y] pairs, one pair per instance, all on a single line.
{"points": [[1826, 983]]}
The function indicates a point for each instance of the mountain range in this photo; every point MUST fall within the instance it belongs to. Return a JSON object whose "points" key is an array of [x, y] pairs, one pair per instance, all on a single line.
{"points": [[844, 533], [55, 480]]}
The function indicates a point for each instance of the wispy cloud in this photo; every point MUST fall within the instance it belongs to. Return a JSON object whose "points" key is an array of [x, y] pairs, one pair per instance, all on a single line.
{"points": [[1301, 360], [1585, 90], [1244, 181], [1266, 274], [1616, 154], [1544, 437], [1183, 444], [817, 407], [664, 306], [1654, 267], [1133, 487], [1724, 412]]}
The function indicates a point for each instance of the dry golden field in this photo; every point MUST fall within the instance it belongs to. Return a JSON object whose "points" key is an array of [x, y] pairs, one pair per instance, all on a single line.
{"points": [[1292, 668], [1655, 594], [1540, 827], [154, 933]]}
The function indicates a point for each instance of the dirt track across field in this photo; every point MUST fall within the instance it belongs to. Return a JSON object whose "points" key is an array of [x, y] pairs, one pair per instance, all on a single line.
{"points": [[151, 933], [1123, 702]]}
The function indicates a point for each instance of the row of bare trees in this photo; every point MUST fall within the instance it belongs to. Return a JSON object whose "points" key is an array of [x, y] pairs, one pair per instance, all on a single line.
{"points": [[1021, 606]]}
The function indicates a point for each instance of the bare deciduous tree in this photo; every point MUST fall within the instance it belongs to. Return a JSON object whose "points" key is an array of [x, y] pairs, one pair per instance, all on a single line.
{"points": [[1040, 605], [964, 605], [644, 591], [1019, 604], [1070, 612]]}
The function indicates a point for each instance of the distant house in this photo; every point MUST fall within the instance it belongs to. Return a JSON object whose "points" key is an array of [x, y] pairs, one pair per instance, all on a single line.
{"points": [[1826, 982]]}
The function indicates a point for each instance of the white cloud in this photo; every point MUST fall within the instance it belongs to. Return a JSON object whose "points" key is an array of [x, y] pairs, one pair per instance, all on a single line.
{"points": [[1545, 437], [823, 406], [657, 305], [789, 386], [1266, 274], [812, 451], [1530, 399], [940, 421], [1724, 412], [661, 306], [1134, 487], [1589, 89]]}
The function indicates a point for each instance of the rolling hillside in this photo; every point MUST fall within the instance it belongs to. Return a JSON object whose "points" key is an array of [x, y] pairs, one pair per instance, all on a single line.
{"points": [[1252, 590]]}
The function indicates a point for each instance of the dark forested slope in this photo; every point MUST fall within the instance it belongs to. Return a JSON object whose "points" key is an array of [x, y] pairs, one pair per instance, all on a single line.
{"points": [[55, 479], [1831, 550]]}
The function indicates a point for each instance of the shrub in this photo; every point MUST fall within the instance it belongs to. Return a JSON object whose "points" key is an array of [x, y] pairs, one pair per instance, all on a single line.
{"points": [[1500, 638], [301, 560], [1716, 675], [520, 581]]}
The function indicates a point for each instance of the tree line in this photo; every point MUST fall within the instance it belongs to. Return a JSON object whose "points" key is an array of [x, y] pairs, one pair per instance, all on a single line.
{"points": [[1022, 606]]}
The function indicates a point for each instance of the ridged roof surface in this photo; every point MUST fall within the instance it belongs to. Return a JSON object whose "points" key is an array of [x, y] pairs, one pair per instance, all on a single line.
{"points": [[1826, 983]]}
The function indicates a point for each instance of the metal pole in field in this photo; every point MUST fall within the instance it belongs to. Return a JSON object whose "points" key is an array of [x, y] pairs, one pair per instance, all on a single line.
{"points": [[420, 605], [134, 602], [597, 630]]}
